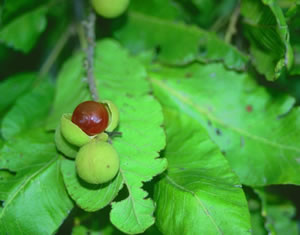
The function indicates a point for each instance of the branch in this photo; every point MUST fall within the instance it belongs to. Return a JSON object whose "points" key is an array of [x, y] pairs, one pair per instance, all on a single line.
{"points": [[59, 46], [232, 24], [89, 27]]}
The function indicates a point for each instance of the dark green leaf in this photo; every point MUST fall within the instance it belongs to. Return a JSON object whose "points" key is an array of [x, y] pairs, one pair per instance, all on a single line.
{"points": [[267, 31], [28, 111], [279, 214], [23, 32], [12, 87], [177, 43]]}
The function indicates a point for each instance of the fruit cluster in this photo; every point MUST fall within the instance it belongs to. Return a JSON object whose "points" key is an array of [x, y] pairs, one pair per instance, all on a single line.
{"points": [[83, 136]]}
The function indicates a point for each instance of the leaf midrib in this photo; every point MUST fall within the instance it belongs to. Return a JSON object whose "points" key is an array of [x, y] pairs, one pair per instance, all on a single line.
{"points": [[182, 188], [210, 116], [131, 199], [23, 185]]}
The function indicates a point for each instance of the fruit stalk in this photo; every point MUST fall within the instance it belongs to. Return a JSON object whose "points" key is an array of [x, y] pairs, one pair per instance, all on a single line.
{"points": [[89, 26]]}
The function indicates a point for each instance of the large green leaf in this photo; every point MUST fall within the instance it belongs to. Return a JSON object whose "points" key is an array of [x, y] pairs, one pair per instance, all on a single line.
{"points": [[266, 28], [28, 111], [37, 191], [12, 87], [177, 43], [279, 214], [33, 192], [257, 132], [199, 194], [142, 136], [23, 32], [121, 79]]}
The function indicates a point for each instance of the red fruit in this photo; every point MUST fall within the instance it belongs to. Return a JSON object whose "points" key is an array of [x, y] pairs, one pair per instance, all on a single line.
{"points": [[92, 117]]}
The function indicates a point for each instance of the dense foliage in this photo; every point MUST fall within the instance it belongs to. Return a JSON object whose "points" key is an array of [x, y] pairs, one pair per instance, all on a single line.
{"points": [[209, 129]]}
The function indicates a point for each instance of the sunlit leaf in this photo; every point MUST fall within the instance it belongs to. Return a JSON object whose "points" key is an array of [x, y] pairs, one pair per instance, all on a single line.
{"points": [[199, 194], [258, 133]]}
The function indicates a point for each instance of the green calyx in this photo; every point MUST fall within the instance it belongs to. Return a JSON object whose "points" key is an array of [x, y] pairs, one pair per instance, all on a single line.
{"points": [[63, 145], [114, 115], [72, 133], [97, 162]]}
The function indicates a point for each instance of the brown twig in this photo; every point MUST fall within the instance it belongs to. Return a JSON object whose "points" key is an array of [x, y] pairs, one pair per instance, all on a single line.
{"points": [[89, 26]]}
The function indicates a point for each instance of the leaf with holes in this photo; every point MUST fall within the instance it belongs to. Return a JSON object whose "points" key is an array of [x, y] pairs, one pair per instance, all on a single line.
{"points": [[199, 184], [256, 131]]}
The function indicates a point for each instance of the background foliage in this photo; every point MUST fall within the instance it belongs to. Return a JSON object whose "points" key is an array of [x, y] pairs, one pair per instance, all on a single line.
{"points": [[208, 93]]}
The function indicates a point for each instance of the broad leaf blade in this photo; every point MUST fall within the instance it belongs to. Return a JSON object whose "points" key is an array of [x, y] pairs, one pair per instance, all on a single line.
{"points": [[121, 79], [266, 28], [199, 185], [138, 148], [23, 32], [34, 186], [38, 192], [257, 132], [177, 43]]}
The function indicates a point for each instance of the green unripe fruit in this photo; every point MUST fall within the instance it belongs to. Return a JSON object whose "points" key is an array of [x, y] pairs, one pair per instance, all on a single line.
{"points": [[72, 133], [97, 162], [110, 8], [114, 115]]}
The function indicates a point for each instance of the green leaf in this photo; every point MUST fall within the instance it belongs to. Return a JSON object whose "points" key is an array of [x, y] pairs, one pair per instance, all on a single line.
{"points": [[28, 111], [71, 90], [88, 196], [23, 32], [121, 79], [166, 9], [35, 185], [266, 28], [138, 148], [199, 185], [279, 214], [12, 87], [33, 192], [257, 132], [177, 43], [9, 9]]}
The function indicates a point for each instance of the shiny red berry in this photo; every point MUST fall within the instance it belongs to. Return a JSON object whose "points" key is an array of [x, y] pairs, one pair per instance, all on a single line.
{"points": [[92, 117]]}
